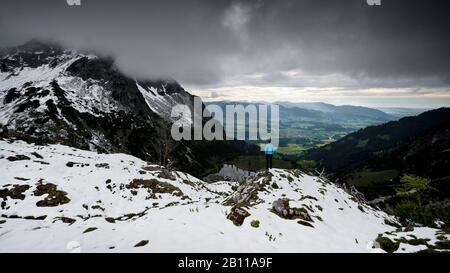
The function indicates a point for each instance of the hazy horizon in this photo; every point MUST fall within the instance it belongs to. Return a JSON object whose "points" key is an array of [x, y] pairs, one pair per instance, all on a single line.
{"points": [[419, 105], [209, 100]]}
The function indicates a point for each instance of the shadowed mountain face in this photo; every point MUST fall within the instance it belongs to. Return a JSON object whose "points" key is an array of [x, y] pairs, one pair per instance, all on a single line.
{"points": [[355, 149], [426, 154], [401, 166], [49, 94]]}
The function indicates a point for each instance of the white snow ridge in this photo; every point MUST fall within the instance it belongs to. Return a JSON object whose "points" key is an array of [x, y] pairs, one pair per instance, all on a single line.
{"points": [[59, 199]]}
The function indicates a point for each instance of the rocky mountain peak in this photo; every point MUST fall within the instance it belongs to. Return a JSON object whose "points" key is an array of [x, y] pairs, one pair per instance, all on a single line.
{"points": [[49, 94]]}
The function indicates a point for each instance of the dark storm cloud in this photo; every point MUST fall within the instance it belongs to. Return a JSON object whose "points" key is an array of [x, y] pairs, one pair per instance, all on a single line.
{"points": [[401, 43]]}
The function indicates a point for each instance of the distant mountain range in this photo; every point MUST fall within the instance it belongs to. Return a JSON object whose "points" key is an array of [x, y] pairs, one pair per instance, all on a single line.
{"points": [[320, 110], [343, 112]]}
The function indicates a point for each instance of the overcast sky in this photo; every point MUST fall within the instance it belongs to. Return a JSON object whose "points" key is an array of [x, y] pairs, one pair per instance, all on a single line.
{"points": [[343, 52]]}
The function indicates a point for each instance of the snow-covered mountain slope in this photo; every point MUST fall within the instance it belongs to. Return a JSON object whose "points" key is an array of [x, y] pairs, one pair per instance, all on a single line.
{"points": [[61, 199], [49, 94], [88, 82], [162, 96]]}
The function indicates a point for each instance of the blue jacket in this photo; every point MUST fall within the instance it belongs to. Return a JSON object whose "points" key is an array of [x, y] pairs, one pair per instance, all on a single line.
{"points": [[268, 150]]}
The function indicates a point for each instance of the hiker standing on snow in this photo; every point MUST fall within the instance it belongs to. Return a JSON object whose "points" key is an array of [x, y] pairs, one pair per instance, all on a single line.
{"points": [[268, 150]]}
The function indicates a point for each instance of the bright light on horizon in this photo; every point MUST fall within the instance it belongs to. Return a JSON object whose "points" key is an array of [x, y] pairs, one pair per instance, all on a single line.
{"points": [[370, 97]]}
